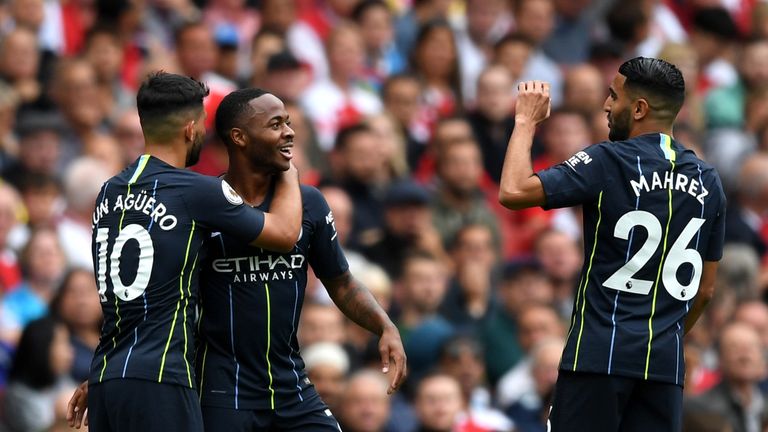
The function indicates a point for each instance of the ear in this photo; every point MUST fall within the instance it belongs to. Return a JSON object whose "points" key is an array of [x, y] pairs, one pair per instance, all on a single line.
{"points": [[189, 131], [641, 109], [238, 137]]}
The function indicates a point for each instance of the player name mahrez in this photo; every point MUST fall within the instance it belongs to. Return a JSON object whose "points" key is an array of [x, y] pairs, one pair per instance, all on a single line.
{"points": [[673, 181], [140, 202]]}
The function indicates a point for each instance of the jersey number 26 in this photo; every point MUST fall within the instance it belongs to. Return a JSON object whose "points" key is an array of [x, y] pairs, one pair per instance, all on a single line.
{"points": [[679, 254]]}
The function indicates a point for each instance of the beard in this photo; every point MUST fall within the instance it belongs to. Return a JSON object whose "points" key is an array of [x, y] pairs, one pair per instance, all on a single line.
{"points": [[619, 126], [193, 155]]}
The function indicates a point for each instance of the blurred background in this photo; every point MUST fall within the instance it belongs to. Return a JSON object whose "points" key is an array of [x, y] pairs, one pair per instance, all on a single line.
{"points": [[402, 111]]}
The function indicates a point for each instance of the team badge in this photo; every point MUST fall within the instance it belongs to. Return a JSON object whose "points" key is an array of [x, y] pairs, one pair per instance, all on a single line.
{"points": [[230, 193]]}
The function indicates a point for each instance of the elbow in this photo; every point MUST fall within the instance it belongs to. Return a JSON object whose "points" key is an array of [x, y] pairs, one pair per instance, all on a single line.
{"points": [[511, 199], [287, 242]]}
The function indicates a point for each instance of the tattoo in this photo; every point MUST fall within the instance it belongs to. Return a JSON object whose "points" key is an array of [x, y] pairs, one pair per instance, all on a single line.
{"points": [[357, 303]]}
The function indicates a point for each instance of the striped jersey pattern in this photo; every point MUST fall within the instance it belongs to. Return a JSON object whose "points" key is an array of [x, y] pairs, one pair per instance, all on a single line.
{"points": [[653, 214], [149, 224], [248, 354]]}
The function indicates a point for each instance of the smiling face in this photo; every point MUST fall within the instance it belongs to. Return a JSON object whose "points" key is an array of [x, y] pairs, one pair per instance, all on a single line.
{"points": [[267, 134], [618, 105]]}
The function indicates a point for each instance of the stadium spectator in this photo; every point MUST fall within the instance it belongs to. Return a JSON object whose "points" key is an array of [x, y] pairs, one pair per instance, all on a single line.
{"points": [[713, 36], [40, 149], [327, 365], [743, 223], [39, 376], [438, 403], [513, 52], [422, 288], [266, 43], [530, 412], [536, 323], [486, 22], [77, 306], [103, 51], [383, 58], [435, 61], [74, 90], [364, 405], [408, 24], [127, 131], [584, 90], [391, 145], [560, 258], [523, 282], [458, 198], [569, 41], [492, 121], [321, 323], [726, 105], [535, 20], [686, 59], [82, 184], [286, 77], [407, 228], [42, 264], [20, 64], [357, 166], [339, 101], [738, 397], [401, 97], [10, 210], [755, 314], [43, 202], [462, 358], [470, 298]]}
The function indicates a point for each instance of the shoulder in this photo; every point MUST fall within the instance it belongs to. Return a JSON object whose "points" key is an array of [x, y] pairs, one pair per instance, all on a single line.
{"points": [[313, 201]]}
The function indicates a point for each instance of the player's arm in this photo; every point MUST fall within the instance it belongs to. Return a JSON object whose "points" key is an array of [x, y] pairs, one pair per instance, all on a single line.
{"points": [[77, 407], [519, 187], [359, 305], [704, 295], [282, 225]]}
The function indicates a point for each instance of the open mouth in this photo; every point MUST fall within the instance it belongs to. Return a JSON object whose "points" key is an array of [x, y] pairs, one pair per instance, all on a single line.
{"points": [[286, 150]]}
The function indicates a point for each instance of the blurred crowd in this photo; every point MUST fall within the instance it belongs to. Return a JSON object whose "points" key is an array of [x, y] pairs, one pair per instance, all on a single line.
{"points": [[402, 111]]}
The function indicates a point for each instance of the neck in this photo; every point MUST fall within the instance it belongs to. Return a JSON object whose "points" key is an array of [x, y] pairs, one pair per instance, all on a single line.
{"points": [[650, 127], [340, 80], [477, 304], [411, 317], [41, 289], [459, 201], [250, 184], [172, 153]]}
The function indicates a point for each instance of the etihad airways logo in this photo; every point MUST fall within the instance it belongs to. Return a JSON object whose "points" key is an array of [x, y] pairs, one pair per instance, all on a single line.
{"points": [[262, 268], [258, 263]]}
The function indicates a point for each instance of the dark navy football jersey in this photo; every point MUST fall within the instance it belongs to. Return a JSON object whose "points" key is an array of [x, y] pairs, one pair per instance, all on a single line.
{"points": [[653, 213], [251, 298], [148, 228]]}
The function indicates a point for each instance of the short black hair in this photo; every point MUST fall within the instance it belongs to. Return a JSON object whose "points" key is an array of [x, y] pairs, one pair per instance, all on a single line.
{"points": [[661, 83], [164, 95], [31, 362], [345, 135], [390, 80], [180, 30], [716, 21], [230, 112], [625, 18]]}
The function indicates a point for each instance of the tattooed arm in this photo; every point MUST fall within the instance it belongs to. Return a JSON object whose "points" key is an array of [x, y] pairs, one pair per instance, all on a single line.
{"points": [[357, 303]]}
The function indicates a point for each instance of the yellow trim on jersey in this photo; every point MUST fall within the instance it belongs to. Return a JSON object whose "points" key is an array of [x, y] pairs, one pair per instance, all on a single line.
{"points": [[586, 279], [186, 305], [668, 144], [136, 174], [269, 343], [178, 306]]}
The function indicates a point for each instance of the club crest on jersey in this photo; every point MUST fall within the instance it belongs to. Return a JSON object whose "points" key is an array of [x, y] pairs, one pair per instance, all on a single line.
{"points": [[230, 193]]}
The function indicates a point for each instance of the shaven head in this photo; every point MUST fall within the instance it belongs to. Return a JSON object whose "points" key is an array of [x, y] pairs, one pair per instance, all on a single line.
{"points": [[167, 102], [233, 111], [660, 83]]}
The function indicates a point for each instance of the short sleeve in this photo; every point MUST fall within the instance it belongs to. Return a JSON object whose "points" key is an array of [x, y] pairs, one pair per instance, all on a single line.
{"points": [[577, 180], [214, 204], [325, 254], [714, 250]]}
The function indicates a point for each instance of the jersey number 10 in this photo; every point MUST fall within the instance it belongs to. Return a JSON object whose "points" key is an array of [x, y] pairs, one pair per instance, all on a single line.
{"points": [[679, 254], [143, 270]]}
